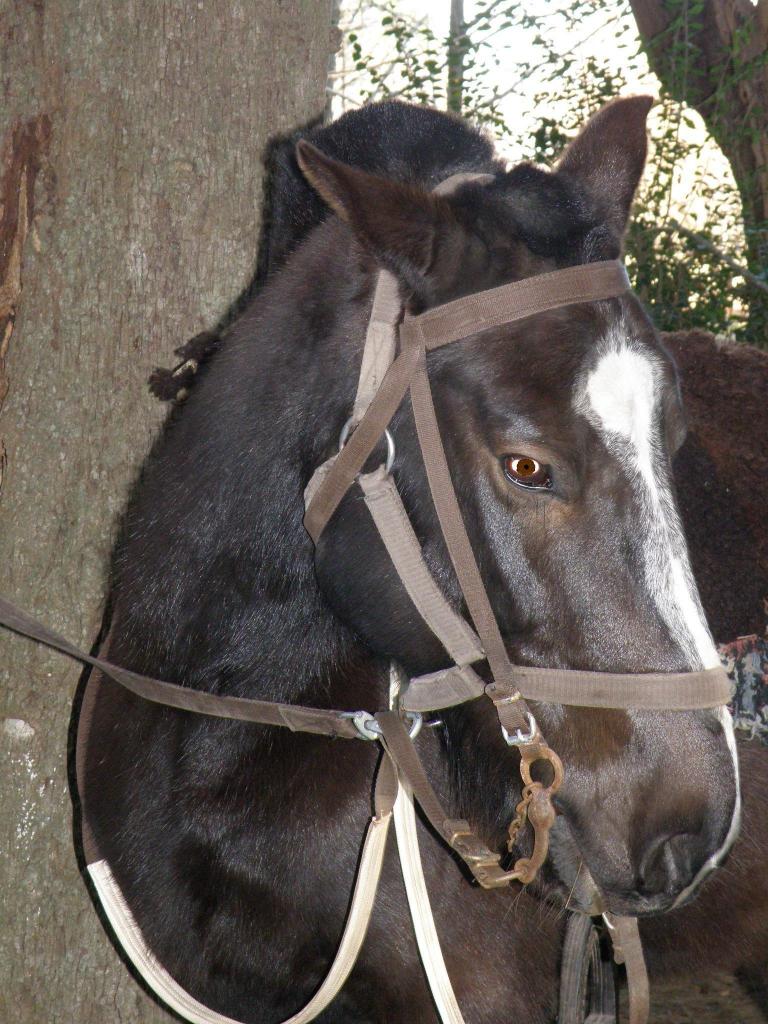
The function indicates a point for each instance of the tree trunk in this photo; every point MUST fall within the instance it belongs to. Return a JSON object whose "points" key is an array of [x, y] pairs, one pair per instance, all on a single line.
{"points": [[130, 188], [714, 57], [457, 49]]}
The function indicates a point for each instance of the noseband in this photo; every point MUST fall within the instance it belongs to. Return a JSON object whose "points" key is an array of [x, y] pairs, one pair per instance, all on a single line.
{"points": [[395, 363]]}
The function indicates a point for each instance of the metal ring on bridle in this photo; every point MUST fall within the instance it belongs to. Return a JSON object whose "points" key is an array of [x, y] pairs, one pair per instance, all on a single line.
{"points": [[370, 729], [518, 738], [347, 429]]}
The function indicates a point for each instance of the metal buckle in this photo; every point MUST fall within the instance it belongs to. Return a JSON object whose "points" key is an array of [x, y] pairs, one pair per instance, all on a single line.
{"points": [[347, 429], [370, 729], [474, 851], [520, 738]]}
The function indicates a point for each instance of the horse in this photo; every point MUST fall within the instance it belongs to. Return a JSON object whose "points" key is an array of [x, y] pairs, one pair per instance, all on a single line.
{"points": [[723, 513], [235, 845]]}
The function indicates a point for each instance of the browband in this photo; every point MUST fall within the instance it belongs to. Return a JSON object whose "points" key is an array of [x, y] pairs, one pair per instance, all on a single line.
{"points": [[496, 307], [453, 321]]}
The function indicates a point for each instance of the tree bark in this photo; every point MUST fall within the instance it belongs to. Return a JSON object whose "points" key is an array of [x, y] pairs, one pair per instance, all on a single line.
{"points": [[716, 60], [130, 190], [457, 48]]}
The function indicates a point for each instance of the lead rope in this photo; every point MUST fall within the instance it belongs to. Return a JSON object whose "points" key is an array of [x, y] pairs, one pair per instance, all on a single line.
{"points": [[168, 989], [416, 890]]}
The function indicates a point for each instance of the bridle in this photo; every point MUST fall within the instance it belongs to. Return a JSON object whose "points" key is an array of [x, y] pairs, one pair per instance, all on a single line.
{"points": [[388, 372]]}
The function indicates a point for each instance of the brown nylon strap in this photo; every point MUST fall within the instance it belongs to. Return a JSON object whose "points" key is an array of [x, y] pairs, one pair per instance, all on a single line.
{"points": [[363, 440], [298, 719], [643, 691], [652, 691], [396, 532], [588, 282], [385, 787], [443, 689], [454, 531], [481, 861], [380, 341], [628, 950]]}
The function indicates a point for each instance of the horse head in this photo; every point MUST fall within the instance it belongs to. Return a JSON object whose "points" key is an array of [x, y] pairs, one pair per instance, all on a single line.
{"points": [[559, 432]]}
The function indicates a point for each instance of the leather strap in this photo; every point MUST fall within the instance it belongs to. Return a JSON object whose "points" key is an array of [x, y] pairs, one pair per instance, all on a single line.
{"points": [[651, 691], [424, 928], [351, 459], [454, 530], [380, 342], [587, 985], [263, 712], [496, 307], [628, 950], [424, 693], [443, 689], [361, 907], [482, 862], [395, 530]]}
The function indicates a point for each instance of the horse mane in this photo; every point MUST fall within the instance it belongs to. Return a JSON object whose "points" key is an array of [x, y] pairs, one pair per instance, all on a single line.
{"points": [[214, 573], [396, 140]]}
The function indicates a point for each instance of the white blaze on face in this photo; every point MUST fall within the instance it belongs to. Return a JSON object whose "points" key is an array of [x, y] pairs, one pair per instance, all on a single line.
{"points": [[621, 399]]}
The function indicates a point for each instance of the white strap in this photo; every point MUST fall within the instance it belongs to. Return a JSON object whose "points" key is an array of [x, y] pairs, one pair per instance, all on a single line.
{"points": [[421, 909], [173, 995], [416, 887]]}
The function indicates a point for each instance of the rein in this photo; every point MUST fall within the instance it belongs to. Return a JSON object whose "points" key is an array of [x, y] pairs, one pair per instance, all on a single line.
{"points": [[385, 379]]}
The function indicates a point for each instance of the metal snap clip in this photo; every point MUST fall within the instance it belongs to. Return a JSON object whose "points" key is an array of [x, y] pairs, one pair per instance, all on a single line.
{"points": [[365, 724], [370, 729], [417, 720]]}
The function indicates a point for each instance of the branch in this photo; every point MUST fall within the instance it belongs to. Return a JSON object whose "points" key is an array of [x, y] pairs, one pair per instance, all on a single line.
{"points": [[486, 13], [537, 67], [343, 96], [675, 227]]}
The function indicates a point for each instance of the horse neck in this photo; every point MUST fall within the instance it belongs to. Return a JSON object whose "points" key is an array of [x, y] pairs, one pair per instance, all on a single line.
{"points": [[214, 574]]}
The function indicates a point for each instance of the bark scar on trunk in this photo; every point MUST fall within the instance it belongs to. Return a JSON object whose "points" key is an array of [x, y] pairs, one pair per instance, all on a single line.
{"points": [[22, 154]]}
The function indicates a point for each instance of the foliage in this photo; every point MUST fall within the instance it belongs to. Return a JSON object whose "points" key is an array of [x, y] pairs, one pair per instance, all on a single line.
{"points": [[686, 243]]}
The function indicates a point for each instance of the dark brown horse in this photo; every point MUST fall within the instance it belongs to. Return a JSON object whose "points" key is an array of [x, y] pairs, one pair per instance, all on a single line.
{"points": [[721, 474], [235, 845]]}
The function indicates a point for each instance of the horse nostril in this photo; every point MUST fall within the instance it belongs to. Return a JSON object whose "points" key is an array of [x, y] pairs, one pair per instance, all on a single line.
{"points": [[668, 864]]}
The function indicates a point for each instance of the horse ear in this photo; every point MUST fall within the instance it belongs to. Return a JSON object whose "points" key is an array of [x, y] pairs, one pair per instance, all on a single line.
{"points": [[608, 155], [394, 221]]}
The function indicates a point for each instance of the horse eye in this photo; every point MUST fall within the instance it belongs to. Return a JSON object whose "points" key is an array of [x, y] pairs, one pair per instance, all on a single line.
{"points": [[526, 472]]}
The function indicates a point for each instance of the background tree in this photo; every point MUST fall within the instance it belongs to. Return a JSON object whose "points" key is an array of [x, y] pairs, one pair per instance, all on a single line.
{"points": [[561, 59], [132, 133], [713, 56]]}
